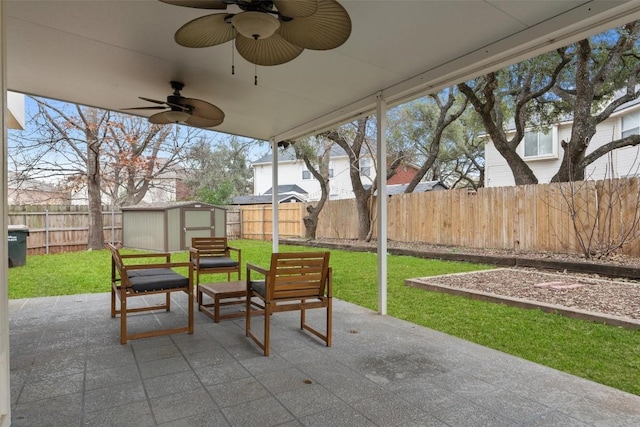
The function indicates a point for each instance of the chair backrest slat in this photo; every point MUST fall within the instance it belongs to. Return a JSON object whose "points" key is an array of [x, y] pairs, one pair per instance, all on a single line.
{"points": [[298, 275], [210, 246]]}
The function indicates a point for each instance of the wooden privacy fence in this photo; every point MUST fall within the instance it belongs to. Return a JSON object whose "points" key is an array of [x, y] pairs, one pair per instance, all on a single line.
{"points": [[551, 217], [256, 221], [527, 218], [62, 228]]}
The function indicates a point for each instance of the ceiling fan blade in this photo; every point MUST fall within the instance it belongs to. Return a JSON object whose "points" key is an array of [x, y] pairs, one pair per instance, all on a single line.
{"points": [[202, 122], [199, 4], [203, 110], [160, 119], [209, 30], [274, 50], [155, 101], [296, 8], [144, 108], [326, 29]]}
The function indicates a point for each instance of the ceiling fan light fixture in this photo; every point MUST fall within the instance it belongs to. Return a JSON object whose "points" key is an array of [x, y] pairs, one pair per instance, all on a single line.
{"points": [[177, 116], [255, 25]]}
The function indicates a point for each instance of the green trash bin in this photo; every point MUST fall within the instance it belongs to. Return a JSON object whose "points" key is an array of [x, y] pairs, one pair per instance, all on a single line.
{"points": [[17, 239]]}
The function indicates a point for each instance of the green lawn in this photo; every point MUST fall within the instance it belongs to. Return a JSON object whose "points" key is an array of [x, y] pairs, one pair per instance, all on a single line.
{"points": [[605, 354]]}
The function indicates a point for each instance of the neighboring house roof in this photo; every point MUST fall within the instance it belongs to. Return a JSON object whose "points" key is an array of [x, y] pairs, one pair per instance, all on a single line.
{"points": [[265, 199], [422, 187], [287, 188]]}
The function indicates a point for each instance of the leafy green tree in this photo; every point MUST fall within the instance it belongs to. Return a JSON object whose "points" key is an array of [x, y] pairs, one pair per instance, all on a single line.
{"points": [[603, 76], [507, 98], [461, 159], [215, 173], [422, 127], [586, 81]]}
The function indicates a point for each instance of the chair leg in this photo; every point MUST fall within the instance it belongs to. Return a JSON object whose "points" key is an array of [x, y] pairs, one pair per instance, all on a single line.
{"points": [[123, 320], [168, 300], [190, 299], [267, 327], [329, 321], [113, 302], [247, 323]]}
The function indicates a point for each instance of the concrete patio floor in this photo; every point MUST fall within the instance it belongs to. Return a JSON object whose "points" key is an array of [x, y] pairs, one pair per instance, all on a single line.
{"points": [[68, 369]]}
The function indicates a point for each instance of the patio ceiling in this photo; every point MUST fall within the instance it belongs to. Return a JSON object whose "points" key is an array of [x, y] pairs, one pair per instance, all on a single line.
{"points": [[106, 53]]}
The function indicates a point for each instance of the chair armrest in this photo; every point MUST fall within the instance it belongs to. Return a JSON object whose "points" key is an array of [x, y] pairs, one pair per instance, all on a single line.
{"points": [[161, 265], [239, 255], [256, 269], [165, 255]]}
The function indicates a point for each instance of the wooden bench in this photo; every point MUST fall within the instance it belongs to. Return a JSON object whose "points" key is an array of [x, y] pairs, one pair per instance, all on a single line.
{"points": [[147, 278]]}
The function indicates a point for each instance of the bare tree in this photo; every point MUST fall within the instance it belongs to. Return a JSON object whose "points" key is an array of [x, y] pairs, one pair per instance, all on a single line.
{"points": [[353, 139], [106, 153], [605, 215], [315, 152]]}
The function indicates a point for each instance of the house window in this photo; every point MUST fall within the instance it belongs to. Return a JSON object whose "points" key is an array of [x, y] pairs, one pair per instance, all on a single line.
{"points": [[538, 144], [330, 169], [365, 167], [631, 124], [305, 172]]}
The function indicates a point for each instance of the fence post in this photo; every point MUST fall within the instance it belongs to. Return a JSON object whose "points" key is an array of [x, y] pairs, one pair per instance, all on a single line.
{"points": [[263, 224], [113, 227], [46, 231]]}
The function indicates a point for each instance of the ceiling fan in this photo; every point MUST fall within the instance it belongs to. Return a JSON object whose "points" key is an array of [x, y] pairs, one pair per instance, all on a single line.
{"points": [[267, 32], [178, 109]]}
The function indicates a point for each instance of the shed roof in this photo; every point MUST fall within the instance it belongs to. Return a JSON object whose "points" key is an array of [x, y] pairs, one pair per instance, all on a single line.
{"points": [[161, 206]]}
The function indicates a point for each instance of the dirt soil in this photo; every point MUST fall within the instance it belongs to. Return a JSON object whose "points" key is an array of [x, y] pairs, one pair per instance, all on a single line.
{"points": [[590, 292]]}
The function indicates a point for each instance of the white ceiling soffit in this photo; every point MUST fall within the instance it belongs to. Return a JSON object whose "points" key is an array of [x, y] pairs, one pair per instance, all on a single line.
{"points": [[106, 53]]}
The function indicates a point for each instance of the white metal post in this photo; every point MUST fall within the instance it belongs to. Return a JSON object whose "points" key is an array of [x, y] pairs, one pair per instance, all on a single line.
{"points": [[274, 195], [381, 155], [5, 398]]}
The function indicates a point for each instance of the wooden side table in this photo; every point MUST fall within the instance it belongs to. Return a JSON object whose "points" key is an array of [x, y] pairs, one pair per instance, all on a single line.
{"points": [[223, 293]]}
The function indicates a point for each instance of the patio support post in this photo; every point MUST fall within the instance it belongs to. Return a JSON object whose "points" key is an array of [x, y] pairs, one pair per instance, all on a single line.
{"points": [[5, 398], [381, 155], [274, 196]]}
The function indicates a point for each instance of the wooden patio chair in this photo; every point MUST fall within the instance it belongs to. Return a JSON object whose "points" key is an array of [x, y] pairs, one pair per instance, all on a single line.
{"points": [[212, 255], [133, 280], [295, 281]]}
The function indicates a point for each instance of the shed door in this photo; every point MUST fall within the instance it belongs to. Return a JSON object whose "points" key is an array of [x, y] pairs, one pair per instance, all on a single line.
{"points": [[197, 222]]}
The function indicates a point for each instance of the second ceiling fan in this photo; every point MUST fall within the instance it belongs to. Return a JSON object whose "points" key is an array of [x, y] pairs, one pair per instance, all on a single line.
{"points": [[267, 32], [178, 109]]}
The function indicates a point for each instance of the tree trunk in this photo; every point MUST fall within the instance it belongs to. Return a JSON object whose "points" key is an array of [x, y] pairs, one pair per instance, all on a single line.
{"points": [[354, 151], [96, 235]]}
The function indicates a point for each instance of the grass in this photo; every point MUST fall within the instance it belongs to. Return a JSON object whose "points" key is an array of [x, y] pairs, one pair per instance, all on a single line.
{"points": [[601, 353]]}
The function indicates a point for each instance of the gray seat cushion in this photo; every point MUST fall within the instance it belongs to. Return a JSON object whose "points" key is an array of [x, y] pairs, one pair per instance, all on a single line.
{"points": [[217, 262], [149, 272], [166, 280], [259, 287]]}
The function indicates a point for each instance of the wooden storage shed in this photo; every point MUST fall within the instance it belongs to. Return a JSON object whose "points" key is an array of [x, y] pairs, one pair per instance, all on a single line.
{"points": [[169, 227]]}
